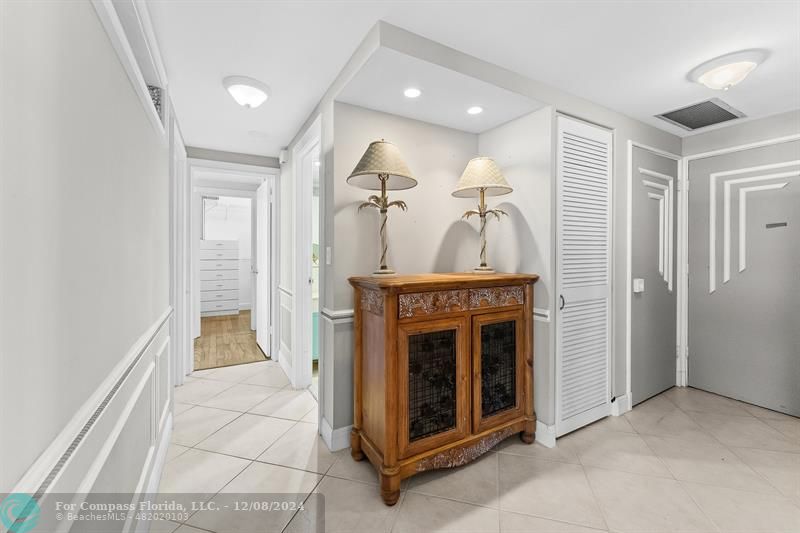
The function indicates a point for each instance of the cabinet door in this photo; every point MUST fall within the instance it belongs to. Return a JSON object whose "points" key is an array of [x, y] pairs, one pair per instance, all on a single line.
{"points": [[433, 379], [497, 366]]}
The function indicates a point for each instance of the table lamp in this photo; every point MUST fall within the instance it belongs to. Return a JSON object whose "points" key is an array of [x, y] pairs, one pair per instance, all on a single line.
{"points": [[381, 168], [482, 178]]}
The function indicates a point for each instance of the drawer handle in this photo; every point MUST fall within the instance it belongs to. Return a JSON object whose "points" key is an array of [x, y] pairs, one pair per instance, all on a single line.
{"points": [[219, 244], [219, 275], [220, 285], [219, 264], [219, 255], [219, 305], [220, 295]]}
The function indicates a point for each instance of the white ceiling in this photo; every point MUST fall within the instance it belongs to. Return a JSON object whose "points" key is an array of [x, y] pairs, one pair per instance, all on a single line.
{"points": [[629, 56], [446, 94]]}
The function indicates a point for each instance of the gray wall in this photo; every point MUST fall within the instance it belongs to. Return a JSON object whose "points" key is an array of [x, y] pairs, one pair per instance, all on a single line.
{"points": [[744, 340], [743, 133], [84, 216], [654, 316]]}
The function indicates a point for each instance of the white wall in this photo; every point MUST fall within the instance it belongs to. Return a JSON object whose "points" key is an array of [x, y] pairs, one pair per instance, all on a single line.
{"points": [[231, 220], [84, 215], [429, 237], [523, 241]]}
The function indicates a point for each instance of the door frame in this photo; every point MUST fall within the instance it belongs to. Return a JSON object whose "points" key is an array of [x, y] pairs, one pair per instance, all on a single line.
{"points": [[582, 419], [222, 179], [683, 251], [679, 286], [300, 369]]}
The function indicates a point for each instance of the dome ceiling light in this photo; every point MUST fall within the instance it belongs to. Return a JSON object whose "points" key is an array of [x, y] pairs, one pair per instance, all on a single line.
{"points": [[247, 92], [723, 72]]}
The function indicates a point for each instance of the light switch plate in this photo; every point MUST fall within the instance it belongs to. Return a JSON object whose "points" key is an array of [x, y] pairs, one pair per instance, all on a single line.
{"points": [[328, 255], [638, 285]]}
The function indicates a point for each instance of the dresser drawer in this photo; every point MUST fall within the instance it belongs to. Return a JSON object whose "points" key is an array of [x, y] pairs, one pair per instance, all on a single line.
{"points": [[219, 285], [219, 245], [213, 275], [208, 296], [219, 264], [224, 305], [219, 254]]}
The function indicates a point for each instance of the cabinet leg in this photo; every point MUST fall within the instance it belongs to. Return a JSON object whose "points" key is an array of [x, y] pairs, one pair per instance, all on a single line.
{"points": [[355, 446], [528, 433], [390, 488]]}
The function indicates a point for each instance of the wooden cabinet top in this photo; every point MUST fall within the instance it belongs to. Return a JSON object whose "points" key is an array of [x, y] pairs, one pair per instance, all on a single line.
{"points": [[456, 280]]}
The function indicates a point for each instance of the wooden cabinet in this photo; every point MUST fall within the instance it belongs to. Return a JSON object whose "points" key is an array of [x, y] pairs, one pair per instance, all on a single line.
{"points": [[443, 370]]}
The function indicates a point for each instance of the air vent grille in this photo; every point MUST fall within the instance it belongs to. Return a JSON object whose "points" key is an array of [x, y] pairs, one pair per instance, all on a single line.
{"points": [[701, 115]]}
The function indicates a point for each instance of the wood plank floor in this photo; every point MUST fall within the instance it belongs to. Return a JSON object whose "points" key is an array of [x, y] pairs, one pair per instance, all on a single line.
{"points": [[225, 341]]}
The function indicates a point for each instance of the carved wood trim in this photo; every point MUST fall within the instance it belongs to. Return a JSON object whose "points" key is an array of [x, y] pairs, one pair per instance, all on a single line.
{"points": [[463, 455], [433, 302], [372, 301], [496, 296]]}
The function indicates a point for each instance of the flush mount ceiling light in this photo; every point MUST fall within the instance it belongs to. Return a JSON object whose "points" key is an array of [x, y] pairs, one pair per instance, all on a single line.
{"points": [[246, 91], [723, 72], [475, 110], [412, 92]]}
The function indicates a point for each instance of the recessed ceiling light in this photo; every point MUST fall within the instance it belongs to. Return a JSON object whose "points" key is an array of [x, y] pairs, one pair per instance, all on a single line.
{"points": [[246, 91], [475, 110], [723, 72], [317, 163], [412, 92]]}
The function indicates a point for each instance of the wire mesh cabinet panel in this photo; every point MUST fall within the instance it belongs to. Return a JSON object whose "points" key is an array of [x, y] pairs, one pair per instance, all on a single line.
{"points": [[433, 371], [497, 358]]}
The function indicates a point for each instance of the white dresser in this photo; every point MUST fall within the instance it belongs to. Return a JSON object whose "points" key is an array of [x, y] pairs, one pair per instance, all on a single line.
{"points": [[219, 278]]}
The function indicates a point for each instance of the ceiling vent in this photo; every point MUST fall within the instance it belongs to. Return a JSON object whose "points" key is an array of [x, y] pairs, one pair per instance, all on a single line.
{"points": [[701, 115]]}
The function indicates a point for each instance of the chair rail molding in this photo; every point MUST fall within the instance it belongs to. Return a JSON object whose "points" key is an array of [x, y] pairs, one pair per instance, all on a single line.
{"points": [[81, 452]]}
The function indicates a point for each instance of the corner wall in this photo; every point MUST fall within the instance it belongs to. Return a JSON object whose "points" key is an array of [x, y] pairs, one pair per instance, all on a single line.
{"points": [[84, 213]]}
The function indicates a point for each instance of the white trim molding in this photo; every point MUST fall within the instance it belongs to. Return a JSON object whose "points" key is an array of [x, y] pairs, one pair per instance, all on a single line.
{"points": [[107, 14], [621, 405], [545, 435], [341, 316], [541, 315], [666, 233], [726, 211], [335, 439], [132, 404]]}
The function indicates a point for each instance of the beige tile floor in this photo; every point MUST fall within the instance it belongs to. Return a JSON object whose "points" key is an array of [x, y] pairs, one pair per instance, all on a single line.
{"points": [[685, 461]]}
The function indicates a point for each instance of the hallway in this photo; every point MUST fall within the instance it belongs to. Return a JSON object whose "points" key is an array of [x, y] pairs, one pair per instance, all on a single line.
{"points": [[685, 460]]}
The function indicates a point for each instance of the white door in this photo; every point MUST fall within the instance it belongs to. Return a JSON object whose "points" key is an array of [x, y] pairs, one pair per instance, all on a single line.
{"points": [[583, 384], [263, 285]]}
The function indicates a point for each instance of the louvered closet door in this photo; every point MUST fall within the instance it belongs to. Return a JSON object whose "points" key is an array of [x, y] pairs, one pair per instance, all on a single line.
{"points": [[583, 392]]}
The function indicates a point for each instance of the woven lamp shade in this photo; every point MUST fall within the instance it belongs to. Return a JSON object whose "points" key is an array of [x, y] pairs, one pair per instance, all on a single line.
{"points": [[382, 157], [482, 173]]}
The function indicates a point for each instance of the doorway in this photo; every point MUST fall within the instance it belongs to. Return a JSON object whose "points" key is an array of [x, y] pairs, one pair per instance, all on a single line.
{"points": [[743, 257], [226, 286], [653, 183]]}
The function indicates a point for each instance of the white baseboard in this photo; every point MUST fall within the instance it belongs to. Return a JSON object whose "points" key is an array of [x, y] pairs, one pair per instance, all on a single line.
{"points": [[283, 360], [244, 306], [335, 439], [621, 405], [545, 435]]}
